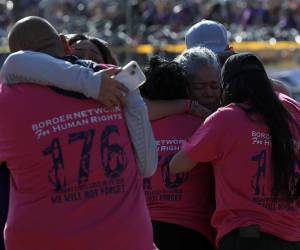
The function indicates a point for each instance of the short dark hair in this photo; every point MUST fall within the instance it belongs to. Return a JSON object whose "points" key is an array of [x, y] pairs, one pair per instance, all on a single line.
{"points": [[165, 80]]}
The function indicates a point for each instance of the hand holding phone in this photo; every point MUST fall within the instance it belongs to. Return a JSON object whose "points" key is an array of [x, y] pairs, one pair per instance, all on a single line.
{"points": [[131, 76]]}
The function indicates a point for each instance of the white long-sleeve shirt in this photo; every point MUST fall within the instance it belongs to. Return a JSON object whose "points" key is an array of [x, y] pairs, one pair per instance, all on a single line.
{"points": [[43, 69]]}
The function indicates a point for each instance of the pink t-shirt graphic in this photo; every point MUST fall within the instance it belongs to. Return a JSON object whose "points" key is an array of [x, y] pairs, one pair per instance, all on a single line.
{"points": [[240, 154], [75, 183], [185, 199]]}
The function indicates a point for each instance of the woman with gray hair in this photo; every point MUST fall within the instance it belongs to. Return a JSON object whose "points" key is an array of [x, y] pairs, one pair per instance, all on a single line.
{"points": [[181, 205], [202, 68], [253, 145], [182, 223]]}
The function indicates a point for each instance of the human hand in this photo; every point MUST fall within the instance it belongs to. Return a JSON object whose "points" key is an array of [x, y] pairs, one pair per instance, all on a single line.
{"points": [[197, 109], [111, 92]]}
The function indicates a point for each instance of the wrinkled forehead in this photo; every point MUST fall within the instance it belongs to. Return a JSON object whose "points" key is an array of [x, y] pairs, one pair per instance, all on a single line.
{"points": [[205, 74]]}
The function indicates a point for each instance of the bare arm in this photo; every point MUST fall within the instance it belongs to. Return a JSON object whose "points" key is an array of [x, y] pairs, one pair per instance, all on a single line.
{"points": [[158, 109], [181, 163]]}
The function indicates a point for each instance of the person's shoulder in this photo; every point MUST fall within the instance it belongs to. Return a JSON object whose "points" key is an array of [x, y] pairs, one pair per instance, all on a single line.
{"points": [[14, 98], [287, 99], [230, 108], [227, 111], [225, 117], [24, 91], [290, 103], [27, 53], [9, 91], [20, 58]]}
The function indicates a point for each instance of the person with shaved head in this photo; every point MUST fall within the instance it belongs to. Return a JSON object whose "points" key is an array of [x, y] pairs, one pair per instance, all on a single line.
{"points": [[36, 34], [75, 180]]}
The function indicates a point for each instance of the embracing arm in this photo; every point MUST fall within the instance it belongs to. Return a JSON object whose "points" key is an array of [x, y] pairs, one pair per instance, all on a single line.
{"points": [[181, 162], [34, 67], [43, 69], [208, 143], [162, 108], [158, 109]]}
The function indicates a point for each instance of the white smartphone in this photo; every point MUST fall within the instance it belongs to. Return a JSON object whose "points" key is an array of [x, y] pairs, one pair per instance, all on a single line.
{"points": [[131, 76]]}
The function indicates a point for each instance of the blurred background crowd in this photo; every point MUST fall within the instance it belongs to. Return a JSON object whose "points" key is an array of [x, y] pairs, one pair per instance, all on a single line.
{"points": [[127, 24], [156, 22]]}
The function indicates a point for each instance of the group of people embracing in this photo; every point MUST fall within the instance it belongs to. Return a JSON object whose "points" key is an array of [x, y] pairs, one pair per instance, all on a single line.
{"points": [[205, 155]]}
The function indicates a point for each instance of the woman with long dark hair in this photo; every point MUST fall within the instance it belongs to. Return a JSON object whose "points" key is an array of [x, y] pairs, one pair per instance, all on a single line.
{"points": [[253, 144], [92, 48]]}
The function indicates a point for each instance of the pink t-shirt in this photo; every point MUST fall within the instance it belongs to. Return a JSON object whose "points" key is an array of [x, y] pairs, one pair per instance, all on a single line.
{"points": [[75, 183], [240, 151], [186, 199]]}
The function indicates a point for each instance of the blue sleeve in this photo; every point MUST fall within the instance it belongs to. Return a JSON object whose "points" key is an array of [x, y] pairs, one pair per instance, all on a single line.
{"points": [[43, 69]]}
